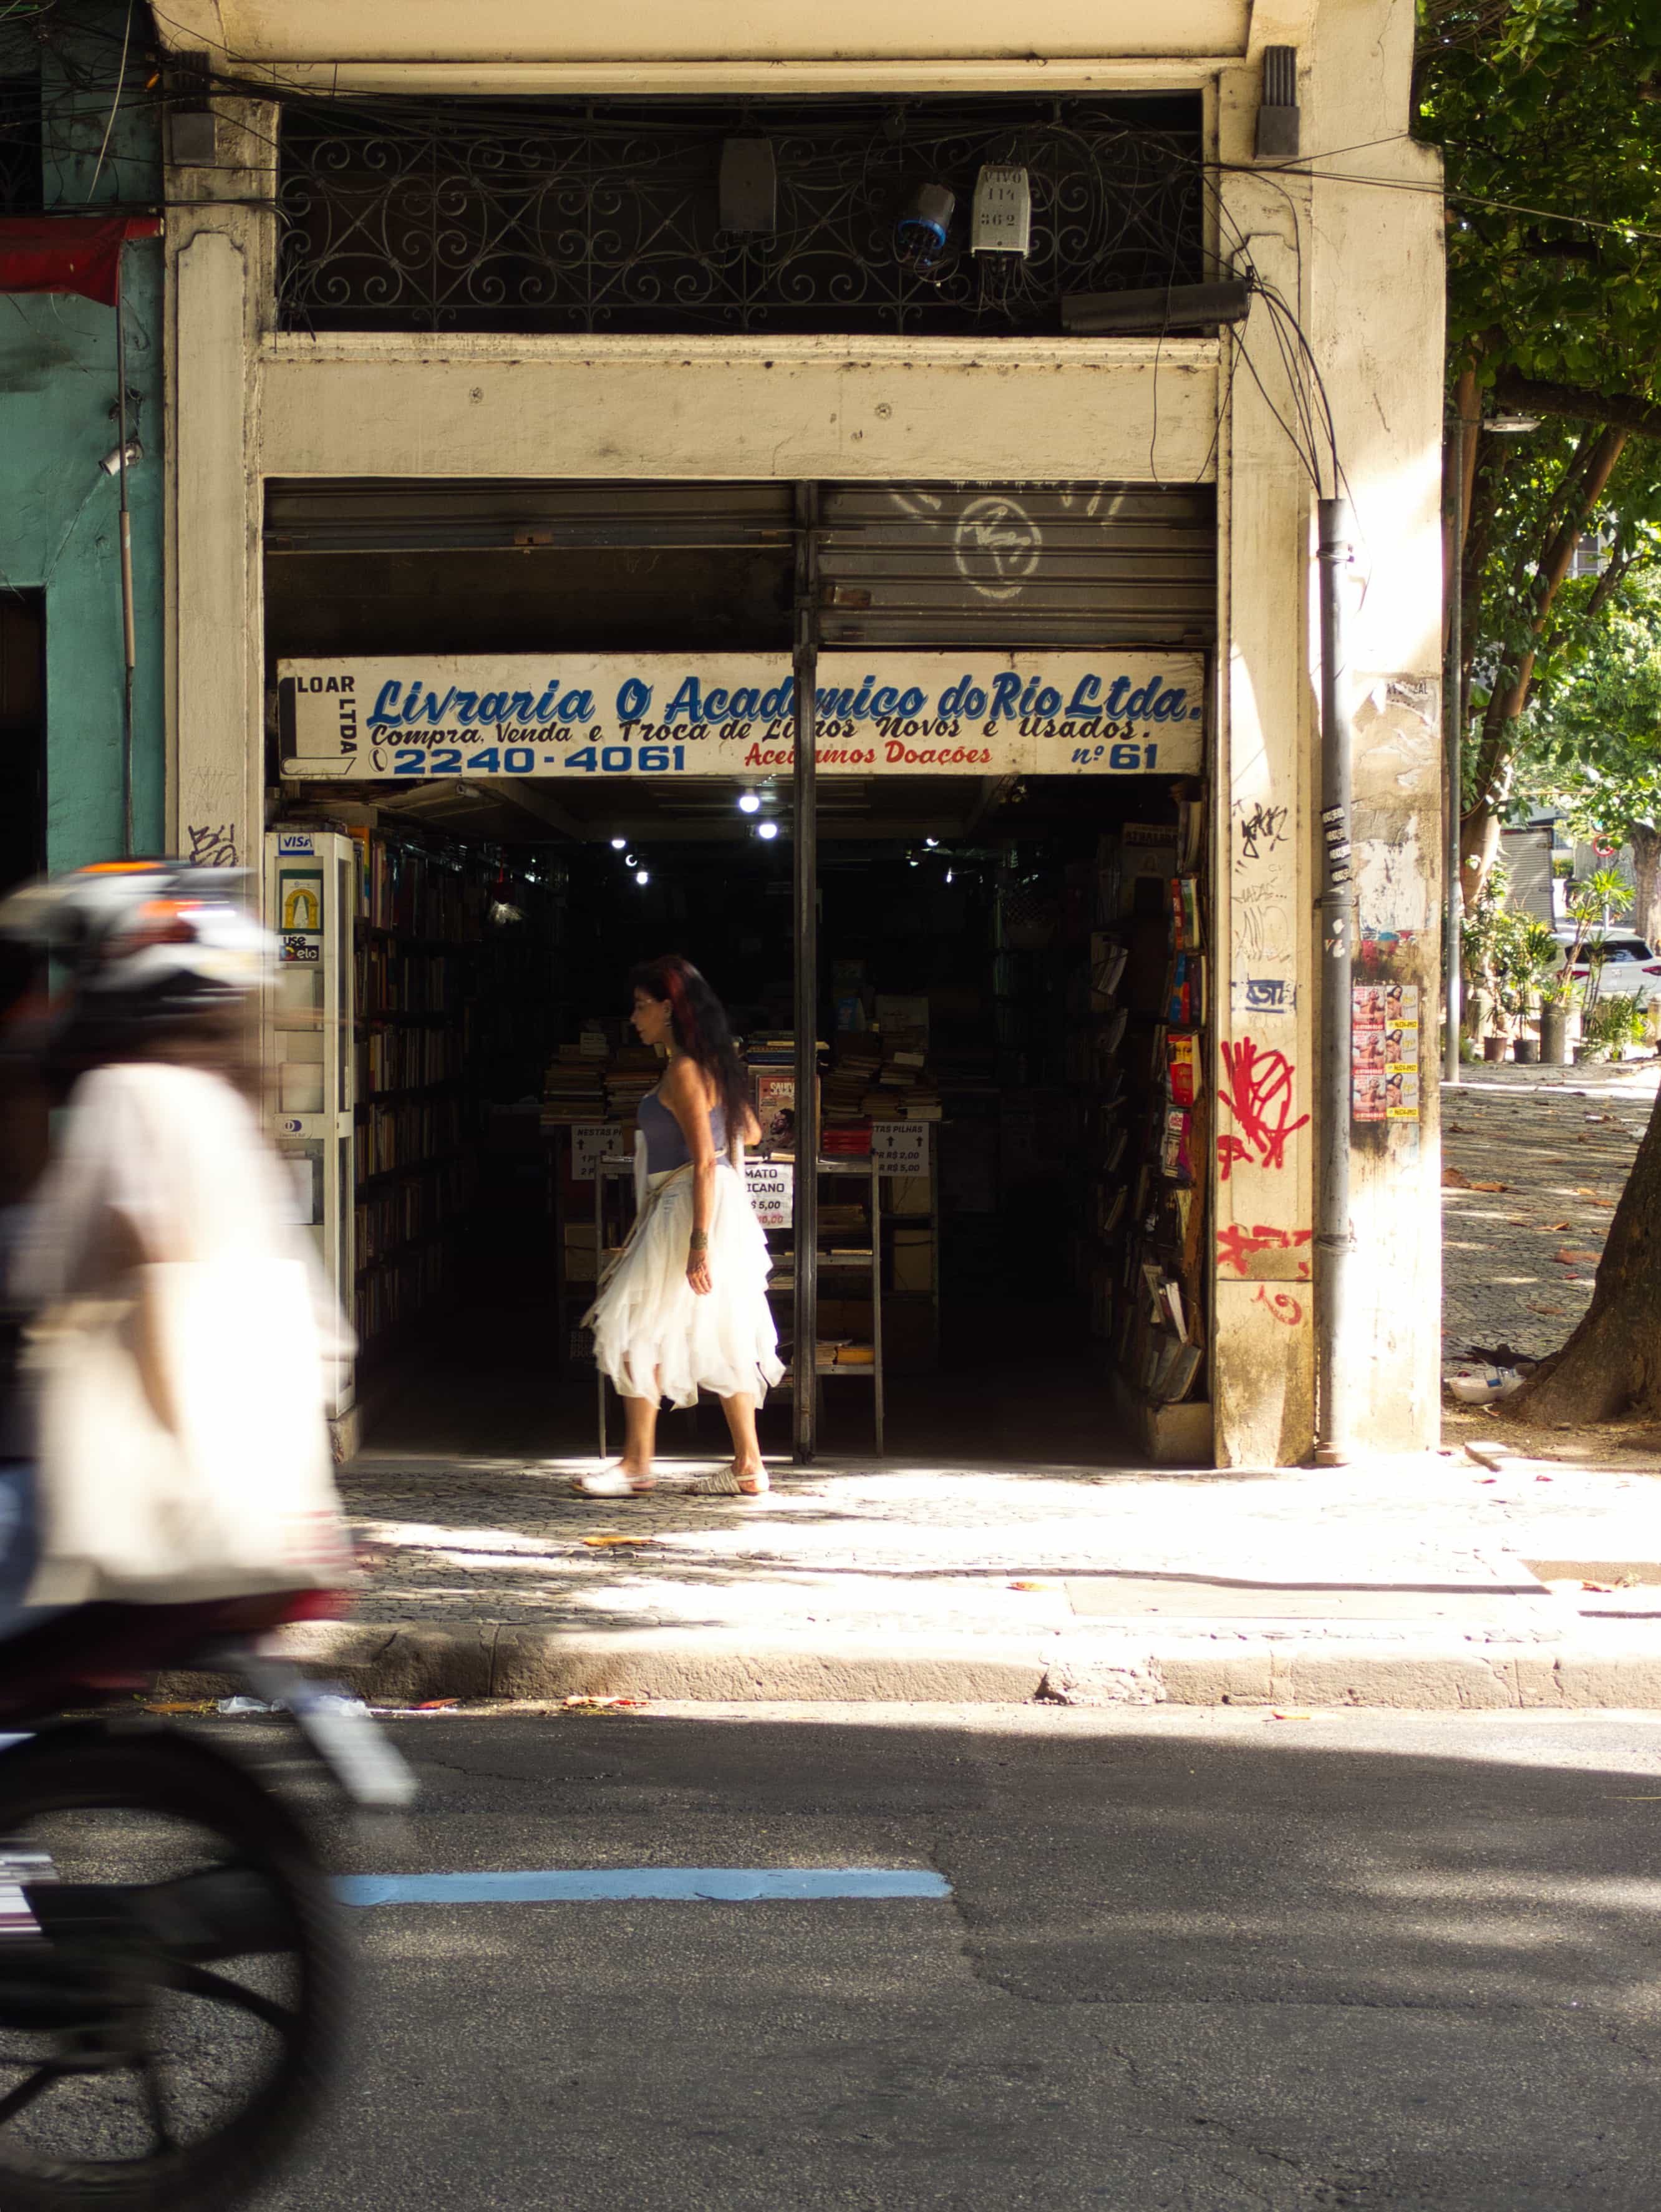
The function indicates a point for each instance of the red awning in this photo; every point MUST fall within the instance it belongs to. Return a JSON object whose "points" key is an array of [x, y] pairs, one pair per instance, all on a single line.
{"points": [[69, 252]]}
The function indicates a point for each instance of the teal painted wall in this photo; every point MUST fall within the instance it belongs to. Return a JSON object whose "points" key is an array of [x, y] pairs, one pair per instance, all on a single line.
{"points": [[58, 525]]}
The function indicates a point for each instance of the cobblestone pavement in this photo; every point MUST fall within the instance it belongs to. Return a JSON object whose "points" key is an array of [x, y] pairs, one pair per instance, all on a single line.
{"points": [[1519, 1260], [953, 1551]]}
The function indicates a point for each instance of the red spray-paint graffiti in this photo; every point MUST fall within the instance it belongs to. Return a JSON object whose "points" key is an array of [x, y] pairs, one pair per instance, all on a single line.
{"points": [[1284, 1306], [1236, 1245], [1258, 1094]]}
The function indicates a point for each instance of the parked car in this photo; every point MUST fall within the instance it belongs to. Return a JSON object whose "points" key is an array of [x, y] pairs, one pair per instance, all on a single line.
{"points": [[1630, 964]]}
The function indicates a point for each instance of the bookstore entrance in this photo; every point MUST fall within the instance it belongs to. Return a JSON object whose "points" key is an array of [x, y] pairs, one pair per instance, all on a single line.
{"points": [[1012, 985]]}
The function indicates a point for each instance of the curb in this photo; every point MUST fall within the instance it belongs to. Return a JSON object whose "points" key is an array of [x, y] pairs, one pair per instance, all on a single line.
{"points": [[1615, 1669]]}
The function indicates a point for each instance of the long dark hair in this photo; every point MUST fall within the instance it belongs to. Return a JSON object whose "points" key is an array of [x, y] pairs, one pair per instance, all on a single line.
{"points": [[701, 1030]]}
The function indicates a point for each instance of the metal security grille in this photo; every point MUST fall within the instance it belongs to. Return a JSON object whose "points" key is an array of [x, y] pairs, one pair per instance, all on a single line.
{"points": [[605, 216], [376, 514], [1018, 564], [914, 564]]}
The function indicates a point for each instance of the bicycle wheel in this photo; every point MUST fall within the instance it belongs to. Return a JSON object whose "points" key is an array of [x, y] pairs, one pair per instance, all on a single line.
{"points": [[164, 2036]]}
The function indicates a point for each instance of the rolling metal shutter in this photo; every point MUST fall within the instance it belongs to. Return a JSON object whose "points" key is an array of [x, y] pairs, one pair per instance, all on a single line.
{"points": [[374, 514], [987, 565], [1012, 565]]}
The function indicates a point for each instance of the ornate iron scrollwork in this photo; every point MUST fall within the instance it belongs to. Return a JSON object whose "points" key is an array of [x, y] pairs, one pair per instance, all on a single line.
{"points": [[604, 216]]}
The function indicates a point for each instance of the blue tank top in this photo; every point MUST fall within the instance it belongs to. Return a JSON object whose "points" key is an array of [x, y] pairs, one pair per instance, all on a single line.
{"points": [[666, 1147]]}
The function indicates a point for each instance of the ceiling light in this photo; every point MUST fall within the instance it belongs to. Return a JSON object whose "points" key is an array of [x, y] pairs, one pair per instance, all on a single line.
{"points": [[618, 843], [767, 829], [631, 859], [748, 803], [1510, 426], [949, 875], [641, 878], [931, 842]]}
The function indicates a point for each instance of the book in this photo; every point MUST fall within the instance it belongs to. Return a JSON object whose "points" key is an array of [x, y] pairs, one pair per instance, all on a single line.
{"points": [[1183, 1075]]}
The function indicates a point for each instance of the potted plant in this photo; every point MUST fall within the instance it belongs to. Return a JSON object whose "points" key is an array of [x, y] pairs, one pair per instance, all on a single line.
{"points": [[1611, 1024], [1535, 958]]}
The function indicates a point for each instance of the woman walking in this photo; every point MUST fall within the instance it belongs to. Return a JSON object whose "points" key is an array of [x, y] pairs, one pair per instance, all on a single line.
{"points": [[684, 1308]]}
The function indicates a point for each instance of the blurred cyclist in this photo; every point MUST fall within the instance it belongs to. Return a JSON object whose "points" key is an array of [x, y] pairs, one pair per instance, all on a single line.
{"points": [[159, 1160]]}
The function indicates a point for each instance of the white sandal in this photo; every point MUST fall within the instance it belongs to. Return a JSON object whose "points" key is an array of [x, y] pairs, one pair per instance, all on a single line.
{"points": [[726, 1483], [612, 1482]]}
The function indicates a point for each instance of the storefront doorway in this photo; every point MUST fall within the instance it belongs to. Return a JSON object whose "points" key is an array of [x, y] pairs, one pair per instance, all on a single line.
{"points": [[1012, 982]]}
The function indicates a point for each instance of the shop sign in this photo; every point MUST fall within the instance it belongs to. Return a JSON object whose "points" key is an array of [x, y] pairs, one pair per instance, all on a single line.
{"points": [[591, 1142], [900, 1148], [771, 1187], [571, 716]]}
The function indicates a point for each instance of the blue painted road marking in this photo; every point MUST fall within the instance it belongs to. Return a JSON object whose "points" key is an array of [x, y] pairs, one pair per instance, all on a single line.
{"points": [[725, 1885]]}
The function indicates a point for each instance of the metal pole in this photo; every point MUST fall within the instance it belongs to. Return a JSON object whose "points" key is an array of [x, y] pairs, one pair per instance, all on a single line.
{"points": [[1334, 1241], [129, 646], [1453, 501], [804, 1395]]}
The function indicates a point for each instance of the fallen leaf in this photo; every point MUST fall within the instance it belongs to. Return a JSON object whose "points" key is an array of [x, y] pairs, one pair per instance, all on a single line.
{"points": [[611, 1537], [1031, 1586], [1487, 1477], [1603, 1589], [578, 1704], [1292, 1716], [1488, 1186], [1543, 1478], [181, 1705], [1576, 1259], [1539, 1306], [436, 1705], [1455, 1179]]}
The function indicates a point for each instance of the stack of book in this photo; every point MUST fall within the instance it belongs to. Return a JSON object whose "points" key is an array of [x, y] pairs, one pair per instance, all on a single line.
{"points": [[629, 1077], [573, 1089], [858, 1061]]}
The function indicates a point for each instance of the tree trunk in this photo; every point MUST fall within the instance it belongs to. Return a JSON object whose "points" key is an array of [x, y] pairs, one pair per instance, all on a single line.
{"points": [[1479, 844], [1612, 1363], [1646, 842], [1577, 495]]}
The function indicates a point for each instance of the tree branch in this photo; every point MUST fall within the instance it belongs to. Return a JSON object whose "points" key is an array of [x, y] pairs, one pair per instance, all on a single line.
{"points": [[1621, 410]]}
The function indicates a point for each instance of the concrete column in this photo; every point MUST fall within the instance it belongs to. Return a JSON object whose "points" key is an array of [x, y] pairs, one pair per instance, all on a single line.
{"points": [[1262, 1364], [221, 250]]}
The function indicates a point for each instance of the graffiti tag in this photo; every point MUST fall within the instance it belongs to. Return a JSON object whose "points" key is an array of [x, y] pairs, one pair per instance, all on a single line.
{"points": [[1284, 1306], [1258, 1094], [1236, 1245], [996, 546], [212, 849], [1262, 828]]}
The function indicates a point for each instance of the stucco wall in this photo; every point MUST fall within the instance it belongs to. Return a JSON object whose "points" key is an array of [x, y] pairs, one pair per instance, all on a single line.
{"points": [[1356, 255], [58, 529]]}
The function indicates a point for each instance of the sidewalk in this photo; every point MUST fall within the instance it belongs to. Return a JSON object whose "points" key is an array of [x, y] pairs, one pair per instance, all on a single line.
{"points": [[1411, 1583], [1454, 1580]]}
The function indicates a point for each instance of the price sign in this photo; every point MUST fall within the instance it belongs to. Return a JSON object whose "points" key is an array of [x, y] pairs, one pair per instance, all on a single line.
{"points": [[900, 1148], [771, 1187], [591, 1141]]}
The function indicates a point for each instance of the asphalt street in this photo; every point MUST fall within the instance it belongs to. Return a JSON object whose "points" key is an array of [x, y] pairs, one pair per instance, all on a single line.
{"points": [[1210, 1961]]}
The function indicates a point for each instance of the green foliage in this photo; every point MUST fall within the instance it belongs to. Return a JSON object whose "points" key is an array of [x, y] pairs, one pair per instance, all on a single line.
{"points": [[1546, 111], [1549, 116], [1612, 1023], [1591, 742]]}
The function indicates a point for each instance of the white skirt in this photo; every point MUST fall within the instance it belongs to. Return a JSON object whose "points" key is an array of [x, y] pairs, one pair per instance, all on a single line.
{"points": [[654, 1336]]}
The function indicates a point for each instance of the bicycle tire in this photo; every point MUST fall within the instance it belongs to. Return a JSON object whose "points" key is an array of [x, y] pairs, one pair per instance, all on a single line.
{"points": [[165, 1773]]}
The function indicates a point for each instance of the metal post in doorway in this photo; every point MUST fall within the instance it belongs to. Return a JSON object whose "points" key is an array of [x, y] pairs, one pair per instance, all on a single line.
{"points": [[804, 1393]]}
